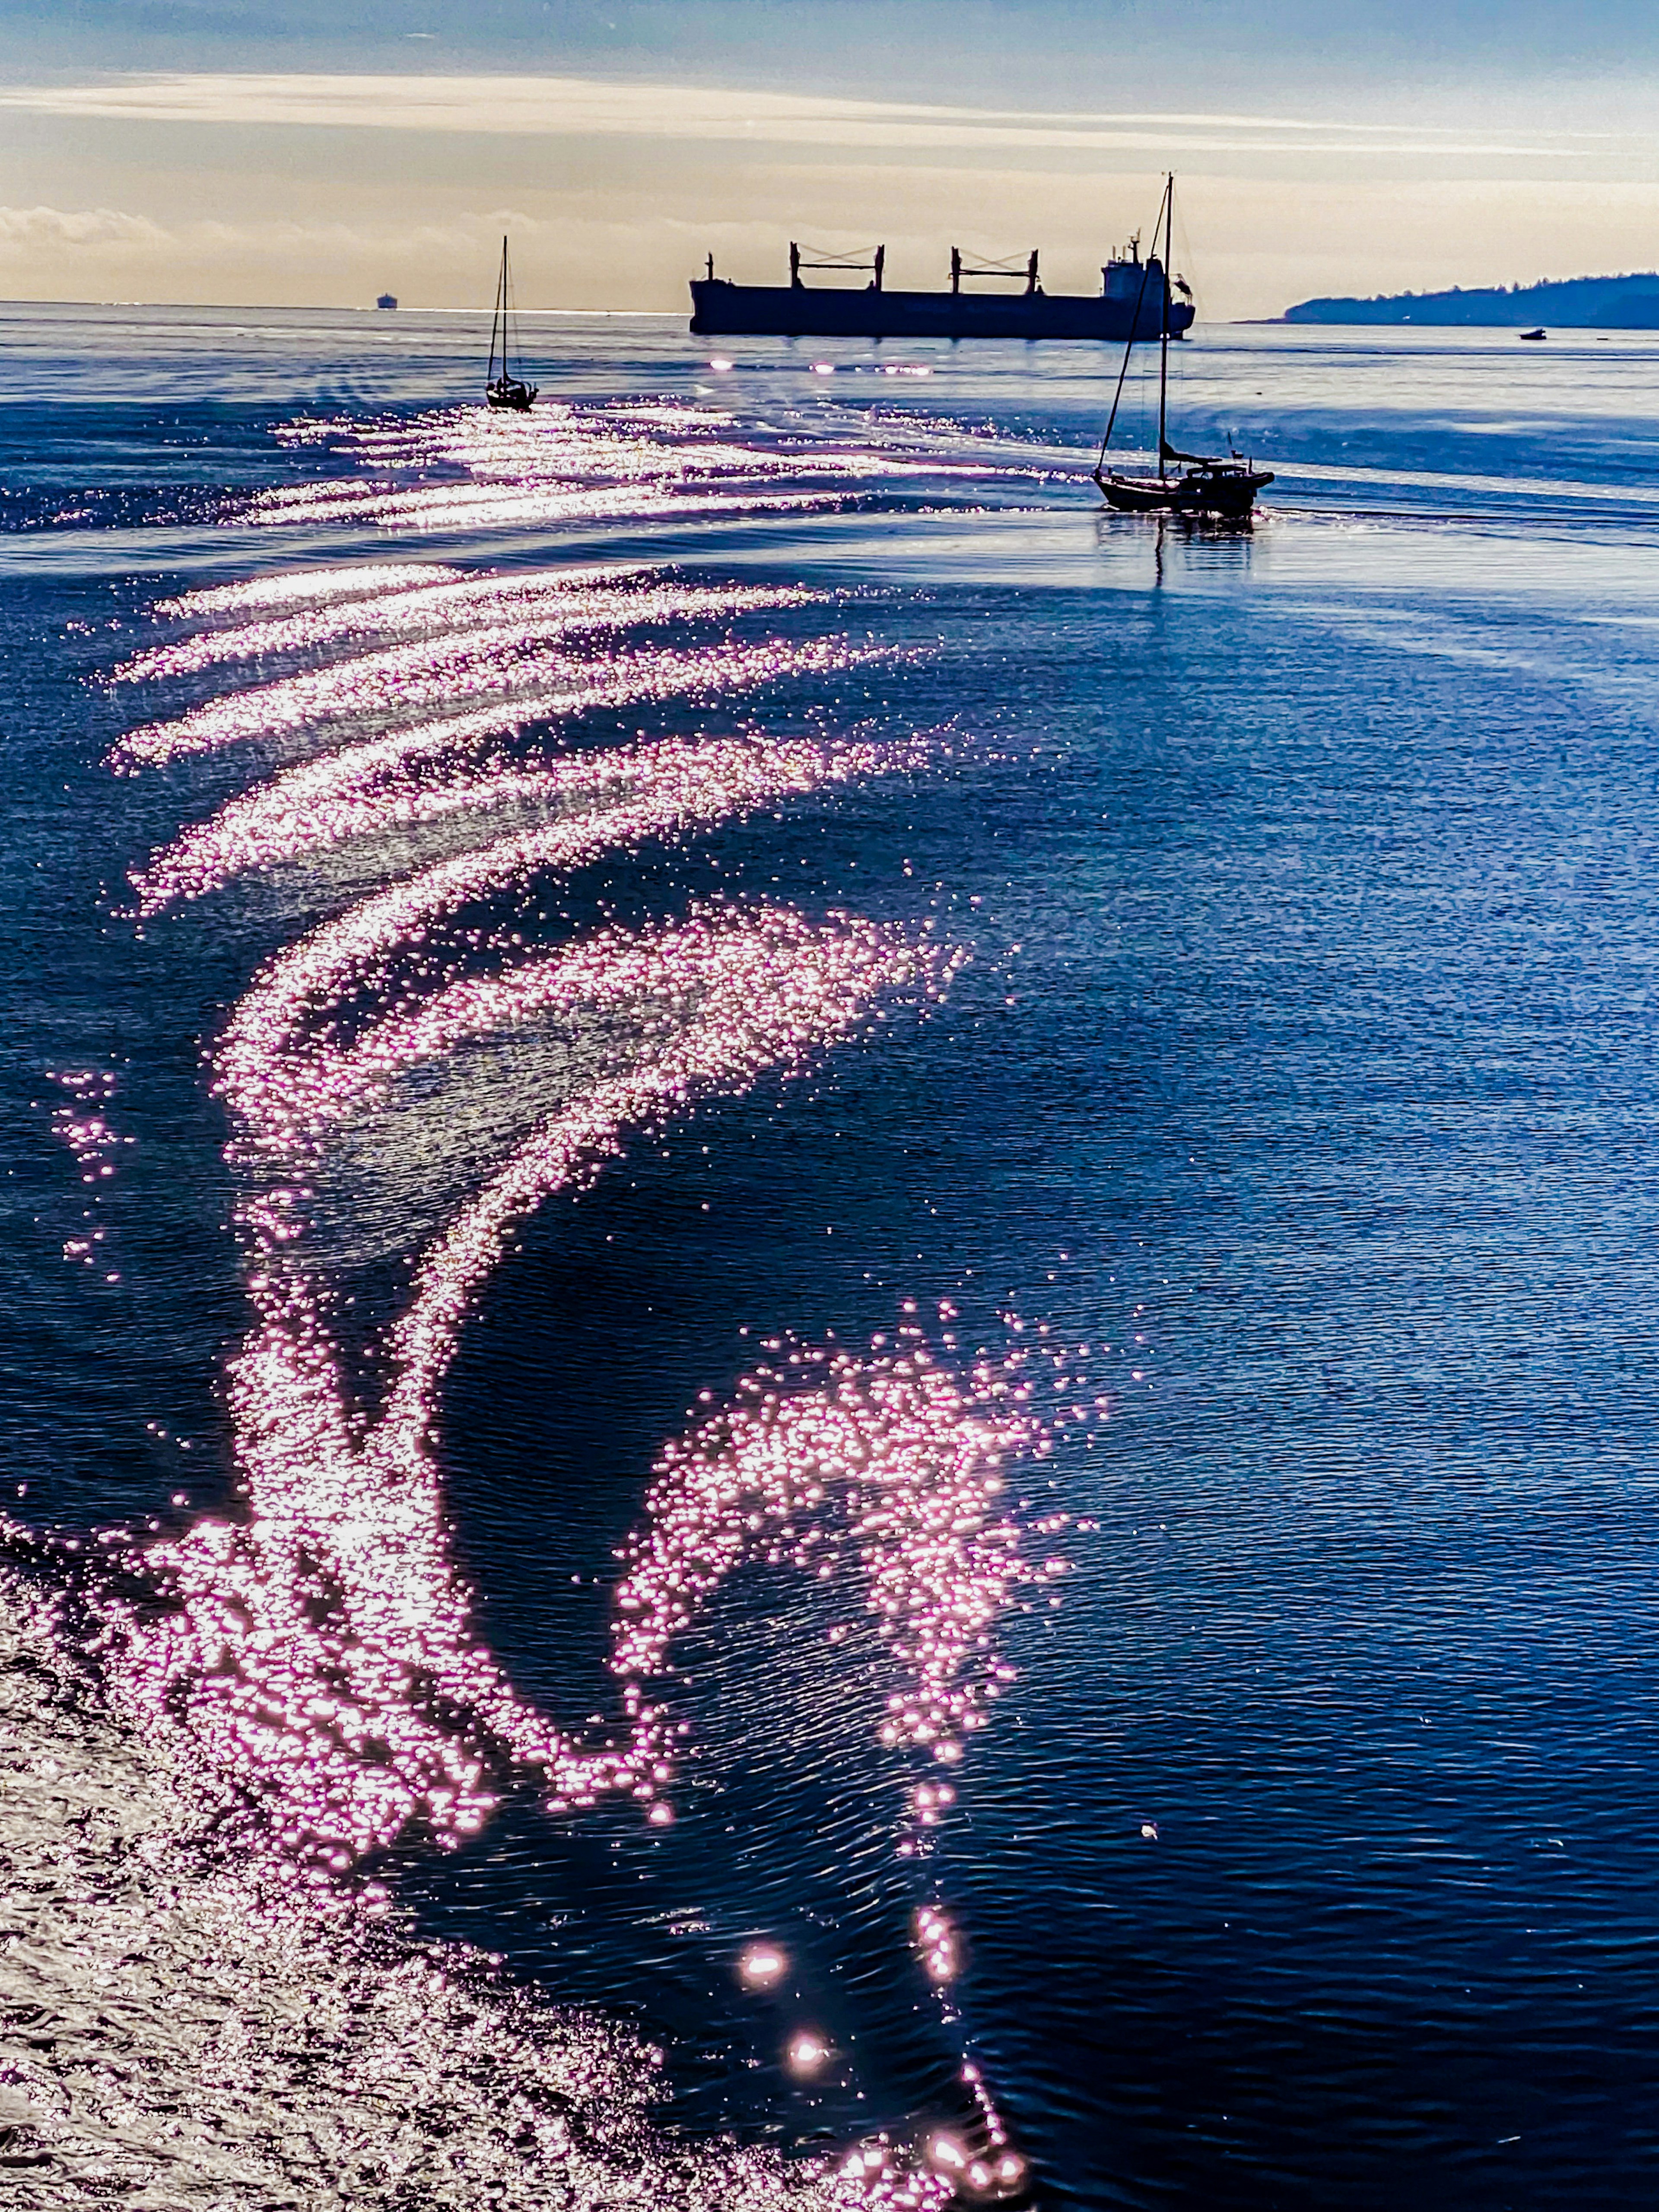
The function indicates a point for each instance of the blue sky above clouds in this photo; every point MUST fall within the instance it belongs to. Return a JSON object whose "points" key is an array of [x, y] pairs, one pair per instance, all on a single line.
{"points": [[974, 49], [284, 150]]}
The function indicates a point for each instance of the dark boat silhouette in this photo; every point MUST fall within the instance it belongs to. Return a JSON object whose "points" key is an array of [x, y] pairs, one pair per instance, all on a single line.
{"points": [[503, 388], [1209, 486], [1535, 334], [1126, 307]]}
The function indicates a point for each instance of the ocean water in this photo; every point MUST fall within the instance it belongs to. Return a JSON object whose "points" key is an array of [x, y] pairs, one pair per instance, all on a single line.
{"points": [[830, 1291]]}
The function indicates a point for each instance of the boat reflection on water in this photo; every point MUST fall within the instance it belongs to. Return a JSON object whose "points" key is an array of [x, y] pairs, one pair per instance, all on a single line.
{"points": [[1180, 542]]}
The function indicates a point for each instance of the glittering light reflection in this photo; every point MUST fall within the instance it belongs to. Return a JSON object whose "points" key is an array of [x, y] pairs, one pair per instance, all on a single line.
{"points": [[321, 1643], [573, 461], [401, 779], [299, 588], [416, 598], [272, 1083], [453, 508], [202, 2036], [935, 1941], [762, 1965], [84, 1124], [657, 975], [808, 2053], [457, 664], [891, 1464], [318, 1647]]}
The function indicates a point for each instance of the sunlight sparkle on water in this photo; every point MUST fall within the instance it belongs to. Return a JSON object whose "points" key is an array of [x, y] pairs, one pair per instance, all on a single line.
{"points": [[456, 664], [320, 1651]]}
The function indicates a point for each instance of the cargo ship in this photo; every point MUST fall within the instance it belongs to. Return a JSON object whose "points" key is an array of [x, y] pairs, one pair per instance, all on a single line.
{"points": [[1136, 300]]}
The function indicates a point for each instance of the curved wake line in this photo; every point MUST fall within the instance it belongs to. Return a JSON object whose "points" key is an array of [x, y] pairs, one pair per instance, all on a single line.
{"points": [[431, 602], [658, 974], [323, 1645], [298, 587], [460, 507], [381, 784], [261, 1069], [409, 677], [321, 1654]]}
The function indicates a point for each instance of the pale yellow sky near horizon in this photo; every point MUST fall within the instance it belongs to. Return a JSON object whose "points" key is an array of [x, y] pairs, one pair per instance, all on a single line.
{"points": [[323, 189]]}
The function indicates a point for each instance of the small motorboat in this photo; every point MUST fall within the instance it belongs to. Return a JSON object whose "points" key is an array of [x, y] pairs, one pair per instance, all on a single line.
{"points": [[1221, 488], [501, 388], [1532, 336]]}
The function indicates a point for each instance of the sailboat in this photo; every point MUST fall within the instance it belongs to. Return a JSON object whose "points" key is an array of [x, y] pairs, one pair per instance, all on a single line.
{"points": [[1222, 489], [503, 388]]}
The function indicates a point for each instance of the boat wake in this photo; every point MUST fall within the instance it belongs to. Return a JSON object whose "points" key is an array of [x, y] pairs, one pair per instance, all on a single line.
{"points": [[648, 462], [308, 1662]]}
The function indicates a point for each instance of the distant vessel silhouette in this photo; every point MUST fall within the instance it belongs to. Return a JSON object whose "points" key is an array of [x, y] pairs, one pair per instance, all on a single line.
{"points": [[1126, 308], [386, 299], [503, 389]]}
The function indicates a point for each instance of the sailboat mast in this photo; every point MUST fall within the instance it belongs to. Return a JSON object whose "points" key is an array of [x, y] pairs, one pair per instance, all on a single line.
{"points": [[1128, 348], [495, 323], [506, 323], [508, 311], [1163, 319]]}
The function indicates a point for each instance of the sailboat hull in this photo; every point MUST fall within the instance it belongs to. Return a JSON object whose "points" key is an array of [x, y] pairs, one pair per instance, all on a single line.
{"points": [[1227, 495]]}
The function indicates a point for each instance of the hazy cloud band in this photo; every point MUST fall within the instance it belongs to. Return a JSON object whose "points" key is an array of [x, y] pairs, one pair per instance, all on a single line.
{"points": [[569, 107]]}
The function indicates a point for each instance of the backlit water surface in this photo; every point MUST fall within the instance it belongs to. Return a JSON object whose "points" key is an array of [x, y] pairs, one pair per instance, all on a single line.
{"points": [[830, 1291]]}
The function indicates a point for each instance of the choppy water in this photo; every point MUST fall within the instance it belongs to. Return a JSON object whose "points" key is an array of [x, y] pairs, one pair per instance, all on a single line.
{"points": [[830, 1291]]}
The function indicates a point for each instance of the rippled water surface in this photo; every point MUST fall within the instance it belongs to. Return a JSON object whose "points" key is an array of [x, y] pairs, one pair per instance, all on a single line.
{"points": [[830, 1291]]}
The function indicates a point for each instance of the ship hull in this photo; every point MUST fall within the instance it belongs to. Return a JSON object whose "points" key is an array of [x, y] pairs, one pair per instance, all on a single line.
{"points": [[720, 309]]}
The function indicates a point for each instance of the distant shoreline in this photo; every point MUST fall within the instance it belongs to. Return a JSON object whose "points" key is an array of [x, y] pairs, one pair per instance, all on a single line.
{"points": [[1592, 303]]}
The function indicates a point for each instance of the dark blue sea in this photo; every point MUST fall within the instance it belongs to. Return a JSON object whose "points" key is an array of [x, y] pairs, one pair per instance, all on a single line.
{"points": [[830, 1292]]}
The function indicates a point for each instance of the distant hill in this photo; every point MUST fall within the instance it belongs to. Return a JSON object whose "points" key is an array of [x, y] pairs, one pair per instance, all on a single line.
{"points": [[1591, 303]]}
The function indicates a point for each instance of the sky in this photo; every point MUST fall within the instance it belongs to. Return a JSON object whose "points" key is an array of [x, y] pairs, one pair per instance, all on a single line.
{"points": [[248, 152]]}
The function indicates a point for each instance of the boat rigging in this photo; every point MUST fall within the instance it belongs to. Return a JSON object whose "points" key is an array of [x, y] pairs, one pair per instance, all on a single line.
{"points": [[1222, 489], [501, 388]]}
